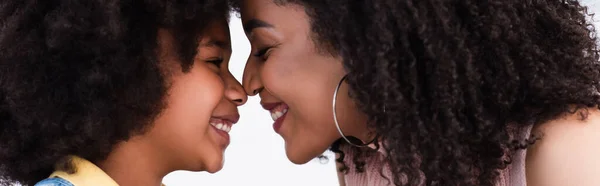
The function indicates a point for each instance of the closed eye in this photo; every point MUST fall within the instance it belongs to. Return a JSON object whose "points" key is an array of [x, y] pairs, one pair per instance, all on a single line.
{"points": [[263, 53], [216, 61]]}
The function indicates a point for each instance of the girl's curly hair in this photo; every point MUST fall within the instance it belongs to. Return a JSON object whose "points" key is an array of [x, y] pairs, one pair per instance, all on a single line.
{"points": [[454, 75], [77, 77]]}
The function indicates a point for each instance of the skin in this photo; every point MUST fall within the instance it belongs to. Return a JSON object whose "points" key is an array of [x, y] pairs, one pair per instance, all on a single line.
{"points": [[567, 153], [181, 137], [294, 72]]}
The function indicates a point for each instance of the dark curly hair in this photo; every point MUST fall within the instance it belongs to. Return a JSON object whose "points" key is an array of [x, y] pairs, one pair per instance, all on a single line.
{"points": [[455, 75], [77, 77]]}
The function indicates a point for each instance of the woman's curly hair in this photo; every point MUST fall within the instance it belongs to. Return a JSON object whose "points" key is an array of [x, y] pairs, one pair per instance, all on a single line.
{"points": [[455, 75], [77, 77]]}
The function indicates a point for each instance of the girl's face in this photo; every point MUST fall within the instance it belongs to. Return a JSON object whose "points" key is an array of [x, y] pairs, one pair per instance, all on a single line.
{"points": [[201, 104], [295, 79]]}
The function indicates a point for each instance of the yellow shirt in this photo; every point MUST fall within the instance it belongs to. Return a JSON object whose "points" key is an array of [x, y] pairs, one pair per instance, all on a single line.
{"points": [[86, 174]]}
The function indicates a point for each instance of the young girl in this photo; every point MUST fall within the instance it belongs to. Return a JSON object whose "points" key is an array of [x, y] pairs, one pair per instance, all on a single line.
{"points": [[452, 92], [100, 93]]}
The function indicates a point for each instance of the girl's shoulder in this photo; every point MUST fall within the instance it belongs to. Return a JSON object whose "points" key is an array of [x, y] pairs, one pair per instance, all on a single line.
{"points": [[55, 181]]}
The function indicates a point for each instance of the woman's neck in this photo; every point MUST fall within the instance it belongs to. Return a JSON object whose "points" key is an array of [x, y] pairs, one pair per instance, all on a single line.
{"points": [[352, 121]]}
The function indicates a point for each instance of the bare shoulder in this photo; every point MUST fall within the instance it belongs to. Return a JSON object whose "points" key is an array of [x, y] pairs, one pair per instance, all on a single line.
{"points": [[568, 152]]}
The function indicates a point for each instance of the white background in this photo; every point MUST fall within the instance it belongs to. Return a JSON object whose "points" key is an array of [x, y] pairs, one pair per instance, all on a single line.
{"points": [[256, 156]]}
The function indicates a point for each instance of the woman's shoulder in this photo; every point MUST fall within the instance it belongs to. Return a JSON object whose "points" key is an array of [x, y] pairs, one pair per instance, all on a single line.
{"points": [[56, 181], [567, 150]]}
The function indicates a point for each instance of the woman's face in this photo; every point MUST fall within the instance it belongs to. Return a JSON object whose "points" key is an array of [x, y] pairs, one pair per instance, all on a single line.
{"points": [[202, 103], [294, 79]]}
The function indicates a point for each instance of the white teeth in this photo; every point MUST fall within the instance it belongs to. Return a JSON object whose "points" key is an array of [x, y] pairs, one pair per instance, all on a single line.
{"points": [[273, 116], [277, 114], [222, 126]]}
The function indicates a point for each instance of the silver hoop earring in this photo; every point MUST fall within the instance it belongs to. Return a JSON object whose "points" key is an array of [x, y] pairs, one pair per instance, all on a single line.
{"points": [[337, 125]]}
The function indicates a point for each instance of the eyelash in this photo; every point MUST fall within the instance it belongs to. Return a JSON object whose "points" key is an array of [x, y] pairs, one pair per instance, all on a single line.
{"points": [[261, 53], [216, 61]]}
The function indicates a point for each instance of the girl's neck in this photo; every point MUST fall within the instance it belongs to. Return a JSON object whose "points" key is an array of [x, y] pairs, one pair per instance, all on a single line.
{"points": [[135, 162]]}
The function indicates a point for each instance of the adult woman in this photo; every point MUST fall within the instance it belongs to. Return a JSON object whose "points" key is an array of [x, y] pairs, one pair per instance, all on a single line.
{"points": [[450, 89], [113, 92]]}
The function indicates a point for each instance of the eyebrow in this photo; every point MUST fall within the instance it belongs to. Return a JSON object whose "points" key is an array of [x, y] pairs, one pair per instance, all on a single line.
{"points": [[255, 23], [220, 44]]}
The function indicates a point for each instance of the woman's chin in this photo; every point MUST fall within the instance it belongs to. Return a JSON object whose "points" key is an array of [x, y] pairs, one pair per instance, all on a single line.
{"points": [[299, 157], [298, 160]]}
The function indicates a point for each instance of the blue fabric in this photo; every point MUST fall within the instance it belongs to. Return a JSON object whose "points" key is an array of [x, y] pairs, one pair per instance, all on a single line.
{"points": [[54, 182]]}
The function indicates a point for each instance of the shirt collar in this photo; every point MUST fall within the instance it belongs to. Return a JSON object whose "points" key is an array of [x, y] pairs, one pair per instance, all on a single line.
{"points": [[86, 174]]}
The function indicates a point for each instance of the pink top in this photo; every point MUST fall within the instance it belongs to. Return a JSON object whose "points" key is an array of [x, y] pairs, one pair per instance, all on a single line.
{"points": [[513, 175], [371, 176]]}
